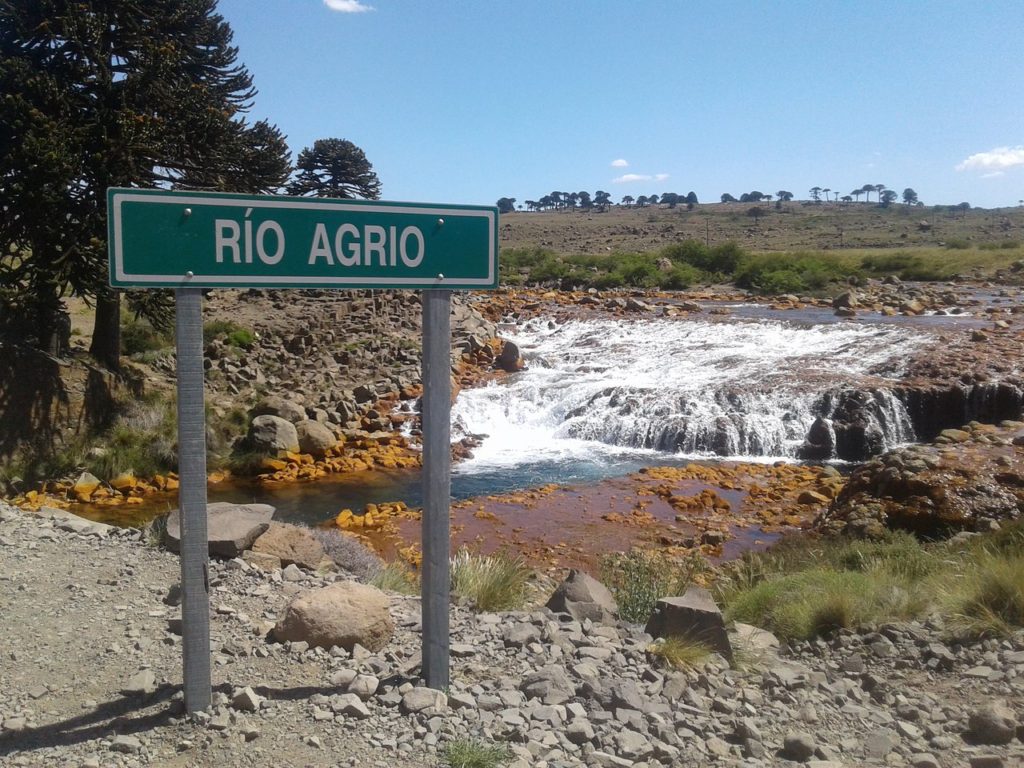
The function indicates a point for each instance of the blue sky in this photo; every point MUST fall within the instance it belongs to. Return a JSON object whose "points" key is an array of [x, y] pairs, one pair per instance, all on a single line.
{"points": [[466, 102]]}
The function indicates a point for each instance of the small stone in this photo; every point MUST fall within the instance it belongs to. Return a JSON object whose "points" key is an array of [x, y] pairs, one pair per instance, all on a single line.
{"points": [[127, 744], [247, 700], [364, 686], [142, 682]]}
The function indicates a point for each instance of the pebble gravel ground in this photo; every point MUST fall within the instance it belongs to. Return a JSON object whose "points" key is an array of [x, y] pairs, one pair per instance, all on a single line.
{"points": [[90, 673]]}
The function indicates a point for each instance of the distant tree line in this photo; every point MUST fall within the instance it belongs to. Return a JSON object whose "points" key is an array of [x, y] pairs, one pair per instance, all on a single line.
{"points": [[600, 201], [886, 197]]}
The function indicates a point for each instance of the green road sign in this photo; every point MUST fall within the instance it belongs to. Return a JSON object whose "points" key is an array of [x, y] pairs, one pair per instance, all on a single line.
{"points": [[211, 240]]}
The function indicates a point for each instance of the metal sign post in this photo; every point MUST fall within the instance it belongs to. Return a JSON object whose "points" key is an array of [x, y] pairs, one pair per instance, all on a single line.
{"points": [[195, 581], [437, 459], [194, 240]]}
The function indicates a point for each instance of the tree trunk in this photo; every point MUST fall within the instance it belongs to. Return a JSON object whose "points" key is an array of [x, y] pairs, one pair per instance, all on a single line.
{"points": [[106, 336]]}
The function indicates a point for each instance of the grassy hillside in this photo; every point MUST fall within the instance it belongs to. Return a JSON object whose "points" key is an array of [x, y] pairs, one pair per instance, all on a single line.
{"points": [[828, 241], [793, 227]]}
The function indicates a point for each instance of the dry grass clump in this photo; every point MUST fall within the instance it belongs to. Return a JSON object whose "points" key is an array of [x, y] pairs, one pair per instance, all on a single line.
{"points": [[496, 582], [395, 576], [680, 652]]}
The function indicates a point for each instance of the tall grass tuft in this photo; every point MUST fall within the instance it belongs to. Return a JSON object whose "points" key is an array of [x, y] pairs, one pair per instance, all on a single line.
{"points": [[496, 582], [988, 601]]}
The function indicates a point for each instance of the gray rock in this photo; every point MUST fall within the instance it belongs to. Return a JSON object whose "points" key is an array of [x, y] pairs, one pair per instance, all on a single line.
{"points": [[364, 686], [230, 528], [924, 760], [992, 723], [551, 685], [272, 435], [314, 437], [694, 616], [632, 745], [798, 746], [278, 406], [350, 705], [423, 700], [584, 597], [510, 358], [127, 744], [142, 682], [246, 700]]}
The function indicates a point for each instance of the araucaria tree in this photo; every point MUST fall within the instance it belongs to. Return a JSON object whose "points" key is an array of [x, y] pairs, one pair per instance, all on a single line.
{"points": [[334, 168], [118, 93]]}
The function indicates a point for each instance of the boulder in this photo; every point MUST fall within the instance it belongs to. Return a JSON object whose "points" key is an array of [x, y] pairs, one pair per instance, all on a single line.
{"points": [[314, 437], [85, 485], [273, 435], [846, 299], [694, 616], [230, 528], [291, 545], [344, 614], [510, 358], [584, 597], [278, 406], [68, 521], [992, 723]]}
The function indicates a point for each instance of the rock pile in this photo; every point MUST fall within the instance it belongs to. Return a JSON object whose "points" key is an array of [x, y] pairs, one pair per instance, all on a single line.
{"points": [[559, 691], [967, 479]]}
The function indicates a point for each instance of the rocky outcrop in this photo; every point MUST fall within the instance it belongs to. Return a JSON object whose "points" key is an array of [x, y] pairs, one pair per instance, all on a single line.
{"points": [[967, 479]]}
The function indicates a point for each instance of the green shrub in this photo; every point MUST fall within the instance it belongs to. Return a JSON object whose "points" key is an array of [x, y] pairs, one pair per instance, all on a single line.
{"points": [[775, 273], [723, 259], [138, 337], [639, 579], [493, 582], [232, 333], [141, 440], [474, 753], [682, 276], [957, 244]]}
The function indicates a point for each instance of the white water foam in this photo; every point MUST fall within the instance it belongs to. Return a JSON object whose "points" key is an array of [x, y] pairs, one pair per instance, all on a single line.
{"points": [[608, 388]]}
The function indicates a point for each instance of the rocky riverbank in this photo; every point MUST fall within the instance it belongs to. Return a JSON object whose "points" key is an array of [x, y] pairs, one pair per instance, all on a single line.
{"points": [[94, 680]]}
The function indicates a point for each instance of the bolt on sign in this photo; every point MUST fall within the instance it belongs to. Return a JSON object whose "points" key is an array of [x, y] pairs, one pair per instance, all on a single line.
{"points": [[211, 240]]}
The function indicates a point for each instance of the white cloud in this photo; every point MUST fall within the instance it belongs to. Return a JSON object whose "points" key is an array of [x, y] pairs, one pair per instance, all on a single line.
{"points": [[347, 6], [628, 177], [993, 175], [620, 163], [994, 160]]}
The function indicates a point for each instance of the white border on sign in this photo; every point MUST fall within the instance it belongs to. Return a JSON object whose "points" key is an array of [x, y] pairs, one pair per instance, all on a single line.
{"points": [[228, 280]]}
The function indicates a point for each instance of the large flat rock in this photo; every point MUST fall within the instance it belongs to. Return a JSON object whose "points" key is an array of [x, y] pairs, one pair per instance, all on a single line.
{"points": [[231, 528]]}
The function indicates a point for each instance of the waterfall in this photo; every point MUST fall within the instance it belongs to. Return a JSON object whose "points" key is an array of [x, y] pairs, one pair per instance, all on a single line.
{"points": [[752, 389]]}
